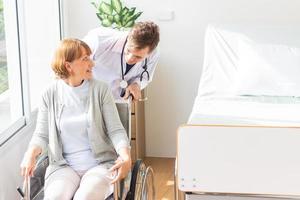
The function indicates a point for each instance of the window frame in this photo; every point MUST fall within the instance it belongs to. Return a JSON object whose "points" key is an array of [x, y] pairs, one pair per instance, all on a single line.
{"points": [[27, 115], [10, 131]]}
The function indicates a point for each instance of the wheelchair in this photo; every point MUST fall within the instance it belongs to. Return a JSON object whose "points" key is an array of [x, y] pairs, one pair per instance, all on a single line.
{"points": [[138, 185]]}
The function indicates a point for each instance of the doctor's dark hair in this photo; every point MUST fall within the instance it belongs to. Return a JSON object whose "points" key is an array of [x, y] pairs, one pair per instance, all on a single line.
{"points": [[68, 50], [144, 34]]}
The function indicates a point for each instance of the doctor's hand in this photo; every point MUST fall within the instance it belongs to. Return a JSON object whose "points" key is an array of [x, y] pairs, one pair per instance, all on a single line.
{"points": [[135, 90]]}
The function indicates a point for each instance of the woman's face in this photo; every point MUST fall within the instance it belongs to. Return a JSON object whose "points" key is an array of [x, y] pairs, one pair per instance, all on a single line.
{"points": [[81, 68]]}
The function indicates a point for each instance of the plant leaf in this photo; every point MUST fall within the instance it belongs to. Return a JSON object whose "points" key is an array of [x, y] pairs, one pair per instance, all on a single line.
{"points": [[106, 8], [117, 19], [124, 11], [100, 16], [137, 15], [132, 17], [129, 24], [110, 18], [94, 4], [106, 23], [131, 10], [116, 5], [126, 18], [129, 18]]}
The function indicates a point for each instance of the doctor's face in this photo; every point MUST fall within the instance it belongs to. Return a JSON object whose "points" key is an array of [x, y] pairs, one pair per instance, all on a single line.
{"points": [[134, 55]]}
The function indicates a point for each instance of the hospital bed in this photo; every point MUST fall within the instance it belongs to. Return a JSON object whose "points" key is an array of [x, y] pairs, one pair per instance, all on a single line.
{"points": [[138, 185], [242, 139]]}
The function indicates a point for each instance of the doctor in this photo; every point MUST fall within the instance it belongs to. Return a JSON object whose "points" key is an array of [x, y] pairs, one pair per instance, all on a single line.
{"points": [[125, 60]]}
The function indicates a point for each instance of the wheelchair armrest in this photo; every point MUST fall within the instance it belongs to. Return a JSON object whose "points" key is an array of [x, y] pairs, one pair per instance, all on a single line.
{"points": [[37, 180]]}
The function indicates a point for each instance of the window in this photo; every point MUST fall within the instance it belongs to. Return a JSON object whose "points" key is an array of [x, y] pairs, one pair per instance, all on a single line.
{"points": [[11, 108], [29, 33], [3, 62]]}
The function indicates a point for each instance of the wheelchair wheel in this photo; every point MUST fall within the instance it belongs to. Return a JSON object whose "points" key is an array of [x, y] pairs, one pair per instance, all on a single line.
{"points": [[148, 189], [142, 183]]}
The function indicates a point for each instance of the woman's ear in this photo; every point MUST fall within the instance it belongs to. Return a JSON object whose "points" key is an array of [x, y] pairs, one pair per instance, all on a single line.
{"points": [[68, 67]]}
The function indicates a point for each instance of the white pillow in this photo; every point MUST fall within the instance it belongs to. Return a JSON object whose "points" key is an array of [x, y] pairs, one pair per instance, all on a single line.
{"points": [[267, 69]]}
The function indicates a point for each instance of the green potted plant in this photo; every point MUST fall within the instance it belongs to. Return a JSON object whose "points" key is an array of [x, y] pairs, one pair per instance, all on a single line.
{"points": [[114, 14]]}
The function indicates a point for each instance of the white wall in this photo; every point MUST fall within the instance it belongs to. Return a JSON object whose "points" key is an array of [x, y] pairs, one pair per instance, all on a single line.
{"points": [[42, 34], [175, 83]]}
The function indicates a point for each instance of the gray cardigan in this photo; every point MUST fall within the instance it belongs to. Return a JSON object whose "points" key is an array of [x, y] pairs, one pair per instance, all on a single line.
{"points": [[105, 131]]}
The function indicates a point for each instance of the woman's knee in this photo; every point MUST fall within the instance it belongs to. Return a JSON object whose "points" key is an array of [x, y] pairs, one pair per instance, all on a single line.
{"points": [[57, 196], [58, 191], [61, 184], [95, 189]]}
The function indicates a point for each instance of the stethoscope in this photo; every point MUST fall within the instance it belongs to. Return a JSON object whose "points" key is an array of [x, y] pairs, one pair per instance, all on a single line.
{"points": [[123, 82]]}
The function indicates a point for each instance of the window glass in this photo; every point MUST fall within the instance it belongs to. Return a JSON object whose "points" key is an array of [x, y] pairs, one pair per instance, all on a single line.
{"points": [[11, 109], [29, 35], [3, 63]]}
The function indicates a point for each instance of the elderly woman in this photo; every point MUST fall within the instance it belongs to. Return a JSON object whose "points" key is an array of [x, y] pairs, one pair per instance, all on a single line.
{"points": [[78, 124]]}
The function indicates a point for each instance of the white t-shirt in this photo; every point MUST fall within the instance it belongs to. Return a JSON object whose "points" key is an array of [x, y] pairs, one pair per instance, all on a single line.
{"points": [[73, 127]]}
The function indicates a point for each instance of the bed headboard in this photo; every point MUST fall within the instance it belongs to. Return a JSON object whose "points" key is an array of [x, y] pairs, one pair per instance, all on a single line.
{"points": [[222, 53]]}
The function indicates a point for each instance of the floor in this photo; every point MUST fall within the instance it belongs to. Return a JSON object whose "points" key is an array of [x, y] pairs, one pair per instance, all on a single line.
{"points": [[163, 177]]}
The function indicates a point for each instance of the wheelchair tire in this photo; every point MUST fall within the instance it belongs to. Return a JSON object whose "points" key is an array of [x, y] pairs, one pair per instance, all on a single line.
{"points": [[148, 189], [134, 175], [142, 183]]}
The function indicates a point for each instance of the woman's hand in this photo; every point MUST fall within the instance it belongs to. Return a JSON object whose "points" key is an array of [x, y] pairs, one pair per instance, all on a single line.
{"points": [[29, 161], [122, 165]]}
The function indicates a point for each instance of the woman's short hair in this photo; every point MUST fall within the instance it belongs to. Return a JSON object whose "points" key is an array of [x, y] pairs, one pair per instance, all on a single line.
{"points": [[68, 50], [144, 34]]}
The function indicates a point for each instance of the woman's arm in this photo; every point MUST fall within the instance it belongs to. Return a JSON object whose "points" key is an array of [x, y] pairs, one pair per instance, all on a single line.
{"points": [[122, 165], [29, 160], [114, 127], [118, 136], [40, 136], [38, 142]]}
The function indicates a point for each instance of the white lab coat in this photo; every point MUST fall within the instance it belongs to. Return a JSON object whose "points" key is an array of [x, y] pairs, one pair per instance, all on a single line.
{"points": [[106, 45]]}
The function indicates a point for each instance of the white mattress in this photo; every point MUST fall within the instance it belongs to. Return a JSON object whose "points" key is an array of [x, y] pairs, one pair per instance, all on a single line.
{"points": [[247, 111]]}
